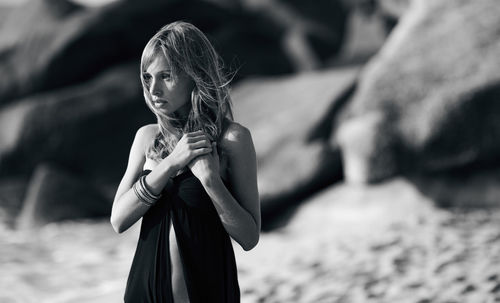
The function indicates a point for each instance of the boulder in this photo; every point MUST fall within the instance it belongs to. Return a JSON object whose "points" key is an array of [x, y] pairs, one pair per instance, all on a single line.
{"points": [[252, 45], [87, 128], [394, 8], [323, 23], [391, 11], [33, 36], [387, 12], [313, 32], [428, 101], [286, 117], [55, 195], [5, 11], [48, 44], [12, 191], [466, 190], [365, 35]]}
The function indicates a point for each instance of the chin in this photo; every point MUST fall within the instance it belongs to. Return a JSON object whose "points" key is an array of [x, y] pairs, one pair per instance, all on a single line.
{"points": [[163, 109]]}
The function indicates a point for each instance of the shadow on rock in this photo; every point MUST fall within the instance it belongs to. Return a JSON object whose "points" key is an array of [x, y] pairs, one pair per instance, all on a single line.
{"points": [[55, 194], [463, 189]]}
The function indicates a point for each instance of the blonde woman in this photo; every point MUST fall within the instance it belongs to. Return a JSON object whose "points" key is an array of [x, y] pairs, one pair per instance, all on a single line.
{"points": [[191, 177]]}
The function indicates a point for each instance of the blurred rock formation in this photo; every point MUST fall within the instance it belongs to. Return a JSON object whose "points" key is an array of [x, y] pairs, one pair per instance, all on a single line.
{"points": [[314, 31], [425, 104], [54, 195], [428, 101], [71, 93], [86, 128], [391, 11], [290, 120], [46, 44]]}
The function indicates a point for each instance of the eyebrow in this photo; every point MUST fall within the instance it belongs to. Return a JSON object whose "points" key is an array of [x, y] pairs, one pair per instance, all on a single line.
{"points": [[161, 71]]}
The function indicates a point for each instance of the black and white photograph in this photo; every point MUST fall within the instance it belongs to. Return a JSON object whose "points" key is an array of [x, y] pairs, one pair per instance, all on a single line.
{"points": [[253, 151]]}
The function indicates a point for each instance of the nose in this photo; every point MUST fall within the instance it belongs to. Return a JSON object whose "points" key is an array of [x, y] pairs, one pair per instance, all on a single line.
{"points": [[155, 89]]}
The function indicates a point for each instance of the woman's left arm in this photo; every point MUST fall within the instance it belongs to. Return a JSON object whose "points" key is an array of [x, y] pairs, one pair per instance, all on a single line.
{"points": [[239, 210]]}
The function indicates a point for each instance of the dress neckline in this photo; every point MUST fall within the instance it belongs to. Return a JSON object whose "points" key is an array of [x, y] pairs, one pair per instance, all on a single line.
{"points": [[184, 172]]}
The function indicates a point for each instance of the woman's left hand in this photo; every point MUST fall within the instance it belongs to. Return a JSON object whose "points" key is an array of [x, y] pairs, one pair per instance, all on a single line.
{"points": [[206, 166]]}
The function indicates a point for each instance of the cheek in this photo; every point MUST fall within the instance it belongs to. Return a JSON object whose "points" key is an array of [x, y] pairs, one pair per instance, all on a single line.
{"points": [[184, 92]]}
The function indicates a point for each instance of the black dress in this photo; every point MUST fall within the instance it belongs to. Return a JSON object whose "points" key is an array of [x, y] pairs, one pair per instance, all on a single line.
{"points": [[205, 248]]}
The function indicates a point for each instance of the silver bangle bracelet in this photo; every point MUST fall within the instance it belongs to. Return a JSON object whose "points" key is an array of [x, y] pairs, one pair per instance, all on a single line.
{"points": [[141, 195], [146, 190], [142, 192]]}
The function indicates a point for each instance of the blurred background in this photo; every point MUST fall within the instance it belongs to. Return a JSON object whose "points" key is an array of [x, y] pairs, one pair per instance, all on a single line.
{"points": [[376, 125]]}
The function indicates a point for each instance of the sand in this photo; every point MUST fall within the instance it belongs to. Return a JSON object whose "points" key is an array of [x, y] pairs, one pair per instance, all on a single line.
{"points": [[384, 243]]}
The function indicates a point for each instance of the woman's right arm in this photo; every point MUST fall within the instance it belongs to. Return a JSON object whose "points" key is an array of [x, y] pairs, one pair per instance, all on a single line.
{"points": [[127, 208]]}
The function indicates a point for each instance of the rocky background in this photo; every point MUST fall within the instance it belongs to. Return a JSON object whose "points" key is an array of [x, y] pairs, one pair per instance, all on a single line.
{"points": [[376, 125]]}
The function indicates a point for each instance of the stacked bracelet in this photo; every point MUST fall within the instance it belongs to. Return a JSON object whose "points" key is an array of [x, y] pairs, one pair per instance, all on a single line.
{"points": [[143, 193]]}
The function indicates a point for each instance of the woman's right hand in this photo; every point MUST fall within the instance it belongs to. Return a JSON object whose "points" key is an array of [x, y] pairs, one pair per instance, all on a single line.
{"points": [[190, 146]]}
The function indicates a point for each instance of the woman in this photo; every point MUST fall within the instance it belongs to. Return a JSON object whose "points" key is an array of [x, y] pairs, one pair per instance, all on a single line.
{"points": [[191, 177]]}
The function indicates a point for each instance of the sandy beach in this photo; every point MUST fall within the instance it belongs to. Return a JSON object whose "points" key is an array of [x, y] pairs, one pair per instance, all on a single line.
{"points": [[383, 243]]}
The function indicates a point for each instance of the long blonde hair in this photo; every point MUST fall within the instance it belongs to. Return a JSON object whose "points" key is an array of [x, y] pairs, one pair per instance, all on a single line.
{"points": [[188, 50]]}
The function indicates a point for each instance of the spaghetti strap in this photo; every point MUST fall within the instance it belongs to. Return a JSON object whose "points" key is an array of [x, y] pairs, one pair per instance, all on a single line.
{"points": [[205, 248]]}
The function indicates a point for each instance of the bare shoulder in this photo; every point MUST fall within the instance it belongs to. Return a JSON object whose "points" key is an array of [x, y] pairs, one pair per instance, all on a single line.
{"points": [[145, 134], [137, 156], [235, 137], [148, 130]]}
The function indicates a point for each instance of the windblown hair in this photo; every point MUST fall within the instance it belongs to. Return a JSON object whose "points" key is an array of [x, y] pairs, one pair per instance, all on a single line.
{"points": [[188, 50]]}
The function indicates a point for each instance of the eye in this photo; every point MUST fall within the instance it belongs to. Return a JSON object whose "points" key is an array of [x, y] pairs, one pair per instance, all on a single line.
{"points": [[146, 78], [166, 76]]}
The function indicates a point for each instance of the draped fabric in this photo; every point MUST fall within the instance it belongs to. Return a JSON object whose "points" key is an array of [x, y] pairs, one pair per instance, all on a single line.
{"points": [[205, 248]]}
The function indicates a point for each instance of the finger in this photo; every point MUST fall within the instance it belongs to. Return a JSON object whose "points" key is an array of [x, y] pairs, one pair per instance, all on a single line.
{"points": [[197, 138], [195, 133], [199, 144], [202, 151]]}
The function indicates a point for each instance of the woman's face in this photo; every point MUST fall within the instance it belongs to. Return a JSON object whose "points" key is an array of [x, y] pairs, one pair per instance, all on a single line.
{"points": [[169, 93]]}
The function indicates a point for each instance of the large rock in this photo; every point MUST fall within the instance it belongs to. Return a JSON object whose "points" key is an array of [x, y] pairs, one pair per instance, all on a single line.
{"points": [[364, 37], [313, 31], [87, 128], [55, 195], [429, 100], [391, 11], [287, 119], [323, 23], [47, 44], [388, 12], [464, 190], [33, 37], [252, 45], [12, 192]]}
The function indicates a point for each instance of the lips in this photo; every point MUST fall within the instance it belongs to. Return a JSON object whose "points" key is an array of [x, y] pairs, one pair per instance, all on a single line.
{"points": [[159, 102]]}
